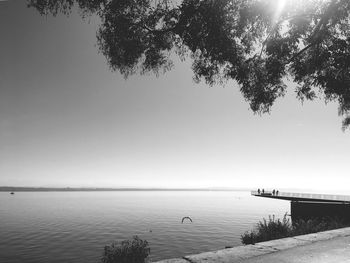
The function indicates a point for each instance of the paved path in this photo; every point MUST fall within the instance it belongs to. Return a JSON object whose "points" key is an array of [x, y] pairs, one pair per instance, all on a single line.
{"points": [[336, 250], [324, 247]]}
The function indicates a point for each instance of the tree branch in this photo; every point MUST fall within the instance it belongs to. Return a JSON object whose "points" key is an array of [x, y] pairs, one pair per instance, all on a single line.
{"points": [[315, 37], [155, 31], [278, 23], [301, 52]]}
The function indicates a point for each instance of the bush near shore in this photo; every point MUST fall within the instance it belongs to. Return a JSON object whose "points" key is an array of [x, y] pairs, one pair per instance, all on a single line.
{"points": [[127, 251], [276, 228]]}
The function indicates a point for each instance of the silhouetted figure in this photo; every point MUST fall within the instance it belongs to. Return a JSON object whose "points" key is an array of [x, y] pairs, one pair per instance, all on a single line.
{"points": [[258, 191], [186, 217], [273, 192], [263, 191], [277, 192]]}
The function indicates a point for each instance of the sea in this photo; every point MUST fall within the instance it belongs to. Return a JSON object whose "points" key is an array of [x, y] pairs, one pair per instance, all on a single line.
{"points": [[74, 227]]}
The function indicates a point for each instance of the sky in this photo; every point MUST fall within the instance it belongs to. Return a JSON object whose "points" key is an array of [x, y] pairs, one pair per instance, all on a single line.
{"points": [[67, 120]]}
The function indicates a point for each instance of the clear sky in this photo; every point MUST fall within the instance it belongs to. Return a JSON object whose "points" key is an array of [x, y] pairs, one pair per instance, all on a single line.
{"points": [[67, 120]]}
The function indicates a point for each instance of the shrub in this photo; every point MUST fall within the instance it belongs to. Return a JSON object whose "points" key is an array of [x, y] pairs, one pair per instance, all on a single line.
{"points": [[275, 229], [268, 230], [127, 251]]}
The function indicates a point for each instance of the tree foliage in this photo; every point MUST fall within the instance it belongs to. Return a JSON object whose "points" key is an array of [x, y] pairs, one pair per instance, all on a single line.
{"points": [[257, 43]]}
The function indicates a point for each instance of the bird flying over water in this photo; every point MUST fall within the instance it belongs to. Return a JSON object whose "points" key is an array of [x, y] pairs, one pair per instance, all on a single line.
{"points": [[185, 217]]}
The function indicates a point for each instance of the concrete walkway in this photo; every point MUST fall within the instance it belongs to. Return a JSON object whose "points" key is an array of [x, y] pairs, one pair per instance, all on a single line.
{"points": [[324, 247]]}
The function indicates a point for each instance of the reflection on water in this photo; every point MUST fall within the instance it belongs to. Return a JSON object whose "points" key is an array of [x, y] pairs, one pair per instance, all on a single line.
{"points": [[75, 226]]}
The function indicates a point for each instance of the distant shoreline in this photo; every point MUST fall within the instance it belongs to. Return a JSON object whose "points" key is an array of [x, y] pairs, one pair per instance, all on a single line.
{"points": [[87, 189]]}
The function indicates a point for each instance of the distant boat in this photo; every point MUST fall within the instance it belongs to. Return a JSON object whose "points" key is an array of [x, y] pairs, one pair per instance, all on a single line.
{"points": [[12, 193]]}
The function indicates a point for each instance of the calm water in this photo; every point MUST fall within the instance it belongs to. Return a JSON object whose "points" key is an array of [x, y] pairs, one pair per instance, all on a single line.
{"points": [[67, 227]]}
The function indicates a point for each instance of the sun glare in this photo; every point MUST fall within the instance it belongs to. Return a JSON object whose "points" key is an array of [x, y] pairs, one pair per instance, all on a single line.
{"points": [[279, 8]]}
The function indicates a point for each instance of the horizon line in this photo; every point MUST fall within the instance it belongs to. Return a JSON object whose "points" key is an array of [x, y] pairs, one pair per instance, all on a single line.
{"points": [[41, 188]]}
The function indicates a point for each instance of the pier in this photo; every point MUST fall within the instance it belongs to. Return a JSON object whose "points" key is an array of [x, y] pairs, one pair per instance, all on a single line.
{"points": [[306, 206], [304, 197]]}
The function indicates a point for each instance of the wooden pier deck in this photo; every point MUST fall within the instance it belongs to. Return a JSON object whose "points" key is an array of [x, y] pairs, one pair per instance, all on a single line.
{"points": [[304, 197]]}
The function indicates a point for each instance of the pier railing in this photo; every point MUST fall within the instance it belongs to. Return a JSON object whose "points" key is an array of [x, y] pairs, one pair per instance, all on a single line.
{"points": [[303, 196]]}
